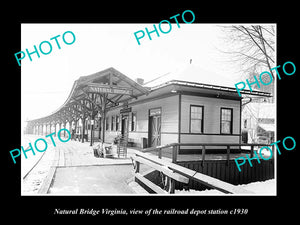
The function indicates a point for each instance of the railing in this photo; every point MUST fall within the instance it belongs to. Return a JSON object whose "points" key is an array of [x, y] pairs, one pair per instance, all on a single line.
{"points": [[175, 149], [174, 172], [170, 176]]}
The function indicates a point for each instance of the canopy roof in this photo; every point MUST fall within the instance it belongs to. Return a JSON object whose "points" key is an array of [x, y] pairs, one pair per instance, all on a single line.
{"points": [[90, 93]]}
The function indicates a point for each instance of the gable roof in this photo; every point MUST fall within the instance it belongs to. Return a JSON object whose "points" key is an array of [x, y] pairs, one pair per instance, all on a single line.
{"points": [[197, 77], [193, 73]]}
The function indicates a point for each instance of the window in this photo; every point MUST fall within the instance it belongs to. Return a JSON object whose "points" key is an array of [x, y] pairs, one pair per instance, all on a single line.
{"points": [[117, 123], [196, 119], [133, 122], [112, 123], [226, 121]]}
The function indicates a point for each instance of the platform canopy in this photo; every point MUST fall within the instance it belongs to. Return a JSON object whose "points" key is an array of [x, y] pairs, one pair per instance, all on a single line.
{"points": [[95, 94]]}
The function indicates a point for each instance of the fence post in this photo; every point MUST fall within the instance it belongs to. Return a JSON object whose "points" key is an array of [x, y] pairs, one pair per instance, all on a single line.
{"points": [[203, 154], [228, 154], [159, 153], [137, 169], [172, 188], [252, 149], [174, 153]]}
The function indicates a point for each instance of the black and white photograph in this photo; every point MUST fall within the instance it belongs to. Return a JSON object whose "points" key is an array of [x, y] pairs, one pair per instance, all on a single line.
{"points": [[186, 113], [131, 111]]}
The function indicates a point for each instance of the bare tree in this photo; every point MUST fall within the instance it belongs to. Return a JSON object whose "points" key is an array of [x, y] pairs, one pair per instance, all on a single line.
{"points": [[253, 46]]}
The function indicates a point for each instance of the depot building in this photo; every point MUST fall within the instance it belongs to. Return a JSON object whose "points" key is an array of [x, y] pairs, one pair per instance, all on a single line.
{"points": [[108, 104]]}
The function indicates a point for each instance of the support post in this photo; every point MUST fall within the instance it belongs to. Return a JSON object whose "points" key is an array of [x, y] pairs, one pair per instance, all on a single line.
{"points": [[92, 127], [46, 127], [103, 116], [137, 170], [71, 128], [83, 129], [172, 188], [65, 128], [174, 153], [252, 151], [228, 154], [59, 125], [203, 154], [75, 132], [159, 153]]}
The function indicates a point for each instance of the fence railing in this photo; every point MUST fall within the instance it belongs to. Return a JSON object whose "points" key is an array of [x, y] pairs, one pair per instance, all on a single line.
{"points": [[175, 149], [176, 173], [170, 176]]}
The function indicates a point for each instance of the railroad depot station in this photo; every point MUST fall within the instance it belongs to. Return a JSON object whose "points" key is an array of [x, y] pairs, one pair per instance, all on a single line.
{"points": [[109, 107]]}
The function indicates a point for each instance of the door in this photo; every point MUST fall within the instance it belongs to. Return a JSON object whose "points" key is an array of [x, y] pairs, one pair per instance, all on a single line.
{"points": [[124, 127], [155, 127]]}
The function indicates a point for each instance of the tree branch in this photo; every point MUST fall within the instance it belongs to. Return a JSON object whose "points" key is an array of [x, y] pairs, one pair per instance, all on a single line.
{"points": [[258, 45]]}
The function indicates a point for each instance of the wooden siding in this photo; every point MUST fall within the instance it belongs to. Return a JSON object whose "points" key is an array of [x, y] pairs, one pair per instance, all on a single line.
{"points": [[193, 138], [212, 108], [215, 138], [229, 173], [169, 120], [211, 124]]}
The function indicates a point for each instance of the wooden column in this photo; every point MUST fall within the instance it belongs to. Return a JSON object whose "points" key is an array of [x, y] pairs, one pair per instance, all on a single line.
{"points": [[76, 121], [252, 151], [71, 128], [65, 128], [103, 116], [83, 129], [203, 155], [91, 126], [228, 155], [175, 153]]}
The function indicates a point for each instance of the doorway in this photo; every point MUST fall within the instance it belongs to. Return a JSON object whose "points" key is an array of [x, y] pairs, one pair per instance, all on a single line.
{"points": [[124, 127], [154, 133]]}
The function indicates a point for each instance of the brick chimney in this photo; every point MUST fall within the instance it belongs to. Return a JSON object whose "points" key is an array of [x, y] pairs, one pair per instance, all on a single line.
{"points": [[140, 81]]}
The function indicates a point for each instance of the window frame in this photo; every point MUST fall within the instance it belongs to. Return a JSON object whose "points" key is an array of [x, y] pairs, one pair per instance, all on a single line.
{"points": [[231, 120], [118, 126], [112, 123], [133, 125], [202, 120]]}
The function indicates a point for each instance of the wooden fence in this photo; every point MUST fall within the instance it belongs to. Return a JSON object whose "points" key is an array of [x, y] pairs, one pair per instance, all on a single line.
{"points": [[176, 174], [223, 170]]}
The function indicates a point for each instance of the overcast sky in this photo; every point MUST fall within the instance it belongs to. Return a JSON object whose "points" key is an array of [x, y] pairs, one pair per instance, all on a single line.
{"points": [[47, 81]]}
